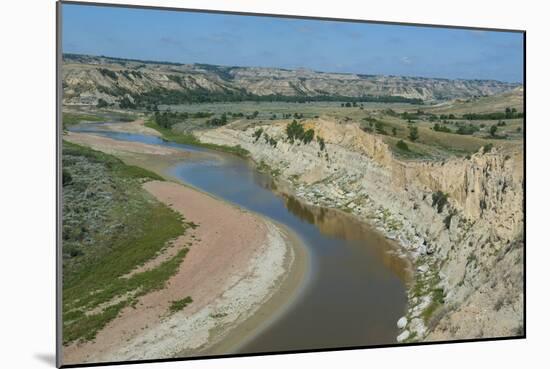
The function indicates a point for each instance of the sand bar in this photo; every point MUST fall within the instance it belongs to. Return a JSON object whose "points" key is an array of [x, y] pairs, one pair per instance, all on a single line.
{"points": [[239, 270]]}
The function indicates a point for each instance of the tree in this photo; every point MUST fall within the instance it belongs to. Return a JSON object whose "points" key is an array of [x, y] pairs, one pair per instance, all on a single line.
{"points": [[402, 145], [379, 126], [308, 136], [493, 130], [413, 133], [257, 134], [294, 131], [102, 103], [394, 131], [321, 142], [126, 103]]}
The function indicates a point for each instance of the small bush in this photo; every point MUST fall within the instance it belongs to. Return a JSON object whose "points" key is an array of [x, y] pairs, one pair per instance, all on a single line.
{"points": [[487, 148], [448, 218], [67, 178], [102, 103], [402, 145], [321, 142], [179, 305], [257, 134], [439, 200], [413, 133]]}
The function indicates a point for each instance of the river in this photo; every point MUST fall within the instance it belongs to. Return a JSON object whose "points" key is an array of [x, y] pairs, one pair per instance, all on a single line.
{"points": [[355, 290]]}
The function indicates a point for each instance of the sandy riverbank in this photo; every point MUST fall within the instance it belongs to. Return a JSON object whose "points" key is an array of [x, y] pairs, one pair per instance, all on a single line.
{"points": [[136, 126], [239, 270]]}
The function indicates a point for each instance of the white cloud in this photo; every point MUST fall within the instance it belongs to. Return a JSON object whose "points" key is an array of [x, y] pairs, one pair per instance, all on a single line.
{"points": [[406, 60]]}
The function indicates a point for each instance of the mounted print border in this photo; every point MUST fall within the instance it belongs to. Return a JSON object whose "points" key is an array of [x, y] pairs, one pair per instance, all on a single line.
{"points": [[225, 192]]}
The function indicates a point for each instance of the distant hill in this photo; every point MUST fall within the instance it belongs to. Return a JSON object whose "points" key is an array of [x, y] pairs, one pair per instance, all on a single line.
{"points": [[512, 99], [90, 80]]}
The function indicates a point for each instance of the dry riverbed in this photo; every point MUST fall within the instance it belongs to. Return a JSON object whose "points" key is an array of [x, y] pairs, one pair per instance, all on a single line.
{"points": [[240, 268]]}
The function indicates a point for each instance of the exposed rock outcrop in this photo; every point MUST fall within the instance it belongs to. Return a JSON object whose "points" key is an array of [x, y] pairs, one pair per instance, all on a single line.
{"points": [[460, 220]]}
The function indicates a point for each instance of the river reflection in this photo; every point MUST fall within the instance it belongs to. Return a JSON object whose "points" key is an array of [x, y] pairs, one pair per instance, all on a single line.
{"points": [[356, 289]]}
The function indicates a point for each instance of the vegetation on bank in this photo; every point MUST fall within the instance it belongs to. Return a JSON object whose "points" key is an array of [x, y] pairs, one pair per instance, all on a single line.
{"points": [[70, 119], [179, 305], [508, 113], [295, 132], [189, 139], [111, 226]]}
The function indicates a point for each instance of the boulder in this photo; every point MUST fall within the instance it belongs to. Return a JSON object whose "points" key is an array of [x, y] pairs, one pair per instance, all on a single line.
{"points": [[403, 336], [423, 268], [402, 322]]}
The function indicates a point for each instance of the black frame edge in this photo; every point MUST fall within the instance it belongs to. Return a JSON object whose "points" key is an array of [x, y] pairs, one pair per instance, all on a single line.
{"points": [[59, 189]]}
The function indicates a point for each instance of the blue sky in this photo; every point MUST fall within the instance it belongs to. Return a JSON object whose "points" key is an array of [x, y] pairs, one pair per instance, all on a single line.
{"points": [[330, 46]]}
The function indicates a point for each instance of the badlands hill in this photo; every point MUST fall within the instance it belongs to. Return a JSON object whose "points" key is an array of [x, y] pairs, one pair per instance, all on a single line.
{"points": [[86, 79]]}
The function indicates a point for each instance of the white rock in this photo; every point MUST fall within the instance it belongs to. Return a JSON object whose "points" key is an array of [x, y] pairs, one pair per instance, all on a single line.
{"points": [[402, 322], [417, 325], [423, 268], [403, 336]]}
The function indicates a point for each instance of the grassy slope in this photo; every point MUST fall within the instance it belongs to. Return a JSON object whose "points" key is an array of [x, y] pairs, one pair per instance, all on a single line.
{"points": [[110, 226], [430, 145], [189, 139]]}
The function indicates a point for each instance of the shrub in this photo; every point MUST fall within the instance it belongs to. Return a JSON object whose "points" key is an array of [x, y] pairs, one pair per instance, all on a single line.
{"points": [[402, 145], [448, 218], [413, 133], [487, 148], [439, 200], [257, 134], [67, 178], [379, 126], [295, 131], [108, 73], [308, 136], [321, 142], [102, 103], [439, 128], [467, 130], [126, 103], [178, 305]]}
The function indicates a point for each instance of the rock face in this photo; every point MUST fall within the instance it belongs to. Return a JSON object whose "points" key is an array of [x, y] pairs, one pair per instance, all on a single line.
{"points": [[86, 79], [468, 250]]}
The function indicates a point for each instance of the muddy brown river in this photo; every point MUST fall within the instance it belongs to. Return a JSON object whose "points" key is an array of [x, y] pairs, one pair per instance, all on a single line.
{"points": [[355, 289]]}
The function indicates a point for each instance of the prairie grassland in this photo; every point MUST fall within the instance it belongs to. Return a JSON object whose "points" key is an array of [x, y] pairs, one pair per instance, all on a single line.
{"points": [[442, 129], [110, 227]]}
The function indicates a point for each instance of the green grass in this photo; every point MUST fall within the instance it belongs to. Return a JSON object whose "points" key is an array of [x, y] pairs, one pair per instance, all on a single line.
{"points": [[115, 165], [438, 296], [70, 119], [94, 287], [179, 305], [190, 139], [265, 168]]}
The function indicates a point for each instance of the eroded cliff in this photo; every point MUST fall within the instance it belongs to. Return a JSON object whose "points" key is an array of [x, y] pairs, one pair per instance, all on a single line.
{"points": [[460, 220]]}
